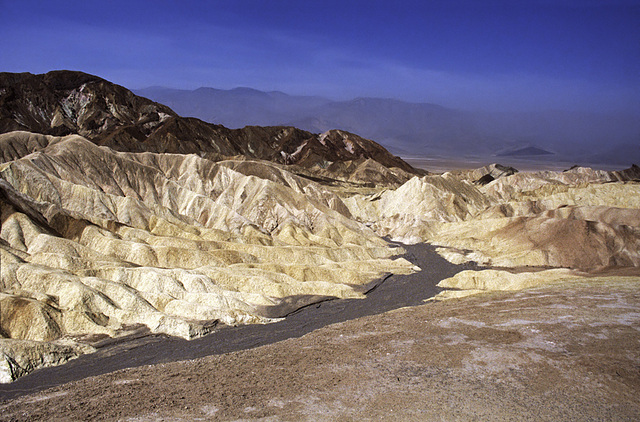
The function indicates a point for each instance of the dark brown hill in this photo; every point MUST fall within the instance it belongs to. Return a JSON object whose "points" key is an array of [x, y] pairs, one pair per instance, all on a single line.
{"points": [[66, 102]]}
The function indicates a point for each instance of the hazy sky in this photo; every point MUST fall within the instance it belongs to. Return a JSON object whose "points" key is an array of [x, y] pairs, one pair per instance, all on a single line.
{"points": [[468, 54]]}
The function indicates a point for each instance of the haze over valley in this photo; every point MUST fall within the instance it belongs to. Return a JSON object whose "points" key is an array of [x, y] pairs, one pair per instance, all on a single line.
{"points": [[425, 130]]}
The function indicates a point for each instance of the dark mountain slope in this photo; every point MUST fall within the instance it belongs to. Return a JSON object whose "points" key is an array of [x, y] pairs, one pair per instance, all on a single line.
{"points": [[65, 102]]}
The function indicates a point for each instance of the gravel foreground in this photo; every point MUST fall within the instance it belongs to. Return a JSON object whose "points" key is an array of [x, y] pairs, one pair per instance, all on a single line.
{"points": [[553, 353]]}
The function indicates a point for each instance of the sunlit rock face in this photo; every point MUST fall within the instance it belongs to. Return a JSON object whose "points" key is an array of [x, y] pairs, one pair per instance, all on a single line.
{"points": [[95, 240], [538, 228], [118, 213]]}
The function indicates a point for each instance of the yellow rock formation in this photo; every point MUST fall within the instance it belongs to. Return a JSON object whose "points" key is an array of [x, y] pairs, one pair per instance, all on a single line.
{"points": [[93, 241], [583, 219]]}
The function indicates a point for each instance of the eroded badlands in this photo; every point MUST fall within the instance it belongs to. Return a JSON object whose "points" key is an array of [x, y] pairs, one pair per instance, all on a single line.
{"points": [[95, 242]]}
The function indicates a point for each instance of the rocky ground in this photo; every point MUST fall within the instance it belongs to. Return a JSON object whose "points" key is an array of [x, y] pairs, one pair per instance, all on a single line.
{"points": [[554, 353]]}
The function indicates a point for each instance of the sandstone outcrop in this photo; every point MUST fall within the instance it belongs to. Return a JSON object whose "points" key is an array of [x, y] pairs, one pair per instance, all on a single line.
{"points": [[19, 357], [469, 282]]}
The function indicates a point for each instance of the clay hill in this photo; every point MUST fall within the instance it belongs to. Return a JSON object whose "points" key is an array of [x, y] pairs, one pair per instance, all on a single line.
{"points": [[118, 215], [116, 212]]}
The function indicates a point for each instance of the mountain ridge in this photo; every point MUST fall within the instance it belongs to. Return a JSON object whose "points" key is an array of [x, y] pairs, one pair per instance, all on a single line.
{"points": [[65, 102]]}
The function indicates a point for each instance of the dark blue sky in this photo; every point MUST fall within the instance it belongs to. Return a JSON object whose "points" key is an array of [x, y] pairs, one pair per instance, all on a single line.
{"points": [[541, 54]]}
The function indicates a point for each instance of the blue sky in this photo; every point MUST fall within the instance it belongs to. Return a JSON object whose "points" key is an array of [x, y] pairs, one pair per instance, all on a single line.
{"points": [[509, 55]]}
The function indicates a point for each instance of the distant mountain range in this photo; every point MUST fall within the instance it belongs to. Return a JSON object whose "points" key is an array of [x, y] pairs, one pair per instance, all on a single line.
{"points": [[399, 125], [420, 129]]}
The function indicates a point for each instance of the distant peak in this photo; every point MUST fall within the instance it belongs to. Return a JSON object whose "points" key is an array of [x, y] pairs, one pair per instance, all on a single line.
{"points": [[524, 151], [247, 89]]}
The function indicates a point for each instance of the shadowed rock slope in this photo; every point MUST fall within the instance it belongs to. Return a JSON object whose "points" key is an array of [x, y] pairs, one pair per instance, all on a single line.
{"points": [[66, 102]]}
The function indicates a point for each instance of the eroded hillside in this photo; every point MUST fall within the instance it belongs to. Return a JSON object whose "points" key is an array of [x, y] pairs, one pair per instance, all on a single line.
{"points": [[551, 226], [95, 240]]}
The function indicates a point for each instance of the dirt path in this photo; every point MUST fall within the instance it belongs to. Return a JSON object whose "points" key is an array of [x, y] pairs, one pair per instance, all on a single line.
{"points": [[145, 349]]}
